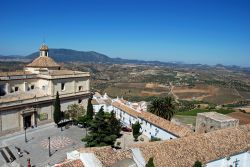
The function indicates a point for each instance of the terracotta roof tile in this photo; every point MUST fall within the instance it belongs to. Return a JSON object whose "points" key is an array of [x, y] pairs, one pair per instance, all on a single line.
{"points": [[126, 108], [43, 62], [171, 127], [71, 163], [183, 152], [94, 102], [107, 155]]}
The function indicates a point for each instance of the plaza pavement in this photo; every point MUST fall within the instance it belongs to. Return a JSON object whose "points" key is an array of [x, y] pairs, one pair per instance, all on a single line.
{"points": [[37, 145]]}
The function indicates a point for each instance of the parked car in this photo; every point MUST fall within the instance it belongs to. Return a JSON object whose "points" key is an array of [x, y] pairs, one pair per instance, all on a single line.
{"points": [[80, 125], [126, 129]]}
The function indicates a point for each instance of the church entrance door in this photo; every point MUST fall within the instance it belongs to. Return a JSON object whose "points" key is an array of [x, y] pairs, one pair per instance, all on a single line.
{"points": [[27, 121]]}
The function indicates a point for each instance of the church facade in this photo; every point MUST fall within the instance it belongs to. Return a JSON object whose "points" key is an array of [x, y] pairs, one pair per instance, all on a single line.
{"points": [[27, 97]]}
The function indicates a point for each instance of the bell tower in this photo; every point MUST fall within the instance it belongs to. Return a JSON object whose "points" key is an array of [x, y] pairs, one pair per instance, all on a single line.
{"points": [[44, 50]]}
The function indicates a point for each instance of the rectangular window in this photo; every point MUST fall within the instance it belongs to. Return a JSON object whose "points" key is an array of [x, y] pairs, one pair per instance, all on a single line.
{"points": [[16, 89], [79, 101], [62, 86], [32, 86], [80, 88]]}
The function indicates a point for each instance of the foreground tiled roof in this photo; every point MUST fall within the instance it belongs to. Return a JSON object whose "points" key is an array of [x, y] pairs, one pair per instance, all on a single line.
{"points": [[107, 155], [183, 152], [177, 130], [43, 62], [14, 73], [71, 163]]}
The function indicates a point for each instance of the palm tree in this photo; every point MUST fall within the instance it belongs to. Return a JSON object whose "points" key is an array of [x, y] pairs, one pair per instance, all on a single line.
{"points": [[162, 107]]}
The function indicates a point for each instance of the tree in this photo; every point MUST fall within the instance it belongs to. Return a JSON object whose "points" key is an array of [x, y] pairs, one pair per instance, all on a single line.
{"points": [[150, 162], [90, 110], [162, 107], [57, 110], [114, 124], [136, 130], [75, 111], [197, 164], [103, 130]]}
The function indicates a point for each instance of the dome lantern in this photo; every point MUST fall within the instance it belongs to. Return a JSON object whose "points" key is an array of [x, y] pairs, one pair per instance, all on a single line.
{"points": [[44, 50]]}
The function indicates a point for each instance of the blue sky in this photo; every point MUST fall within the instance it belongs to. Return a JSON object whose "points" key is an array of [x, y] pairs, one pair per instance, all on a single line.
{"points": [[190, 31]]}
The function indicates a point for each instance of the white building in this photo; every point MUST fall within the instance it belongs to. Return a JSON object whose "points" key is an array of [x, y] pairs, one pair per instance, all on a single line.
{"points": [[26, 97], [151, 125], [99, 101]]}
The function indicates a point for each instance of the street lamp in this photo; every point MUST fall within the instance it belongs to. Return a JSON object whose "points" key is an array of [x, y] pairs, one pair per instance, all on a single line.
{"points": [[49, 147], [25, 135]]}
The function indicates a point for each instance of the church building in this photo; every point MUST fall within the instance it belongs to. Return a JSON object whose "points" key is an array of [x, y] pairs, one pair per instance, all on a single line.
{"points": [[27, 97]]}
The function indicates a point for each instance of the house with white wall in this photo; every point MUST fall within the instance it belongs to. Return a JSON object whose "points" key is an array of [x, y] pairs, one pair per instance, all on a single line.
{"points": [[151, 125], [99, 101]]}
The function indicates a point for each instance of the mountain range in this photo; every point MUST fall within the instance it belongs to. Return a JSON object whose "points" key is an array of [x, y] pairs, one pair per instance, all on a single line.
{"points": [[69, 55]]}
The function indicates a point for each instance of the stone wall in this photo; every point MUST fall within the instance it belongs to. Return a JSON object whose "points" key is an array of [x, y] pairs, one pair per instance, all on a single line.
{"points": [[205, 123]]}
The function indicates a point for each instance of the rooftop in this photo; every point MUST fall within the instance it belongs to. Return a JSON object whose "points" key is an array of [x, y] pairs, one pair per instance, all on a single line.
{"points": [[203, 147], [14, 73], [71, 163], [183, 151], [43, 62], [126, 108], [107, 155], [166, 125], [216, 116], [64, 72]]}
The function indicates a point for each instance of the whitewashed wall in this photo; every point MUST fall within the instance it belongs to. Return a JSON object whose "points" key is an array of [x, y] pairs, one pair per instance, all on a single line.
{"points": [[97, 107], [148, 129], [71, 85], [106, 108], [239, 160], [10, 120], [125, 118]]}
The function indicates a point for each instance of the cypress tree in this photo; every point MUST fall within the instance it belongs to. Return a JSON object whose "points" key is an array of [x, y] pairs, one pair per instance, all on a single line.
{"points": [[90, 110], [57, 109], [114, 124], [136, 130], [197, 164], [150, 163]]}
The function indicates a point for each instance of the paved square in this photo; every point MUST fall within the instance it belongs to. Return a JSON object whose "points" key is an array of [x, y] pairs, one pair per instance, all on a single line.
{"points": [[37, 146]]}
